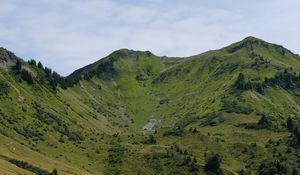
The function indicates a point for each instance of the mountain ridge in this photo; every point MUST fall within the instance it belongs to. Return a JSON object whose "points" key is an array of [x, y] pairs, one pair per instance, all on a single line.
{"points": [[133, 112], [248, 41]]}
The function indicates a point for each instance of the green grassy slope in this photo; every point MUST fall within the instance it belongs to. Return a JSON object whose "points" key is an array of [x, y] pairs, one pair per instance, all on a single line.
{"points": [[193, 107]]}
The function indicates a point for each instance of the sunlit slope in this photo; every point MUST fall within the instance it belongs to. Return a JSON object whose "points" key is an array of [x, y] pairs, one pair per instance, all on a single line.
{"points": [[133, 112], [142, 86]]}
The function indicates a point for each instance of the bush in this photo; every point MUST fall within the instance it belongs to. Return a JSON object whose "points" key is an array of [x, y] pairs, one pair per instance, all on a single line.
{"points": [[273, 167], [54, 172], [18, 66], [297, 135], [30, 132], [175, 159], [213, 164], [37, 170], [4, 89], [150, 140], [115, 154], [291, 125], [178, 131], [26, 76], [264, 122]]}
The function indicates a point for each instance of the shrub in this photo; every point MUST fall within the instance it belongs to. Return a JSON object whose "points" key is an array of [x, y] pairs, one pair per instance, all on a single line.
{"points": [[18, 66], [149, 140], [26, 76], [177, 131], [297, 135], [39, 65], [273, 167], [264, 122], [54, 172], [213, 164], [291, 125], [37, 170], [175, 159], [115, 154], [4, 89]]}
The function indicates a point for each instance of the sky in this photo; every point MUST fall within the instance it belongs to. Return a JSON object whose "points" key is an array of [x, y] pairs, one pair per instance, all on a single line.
{"points": [[68, 34]]}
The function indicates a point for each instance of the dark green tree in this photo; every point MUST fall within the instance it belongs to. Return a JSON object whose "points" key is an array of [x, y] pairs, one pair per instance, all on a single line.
{"points": [[54, 172], [243, 172], [4, 88], [264, 122], [18, 66], [40, 65], [48, 72], [240, 82], [53, 84], [26, 76], [213, 164], [297, 135], [270, 167], [291, 125], [32, 62], [150, 140]]}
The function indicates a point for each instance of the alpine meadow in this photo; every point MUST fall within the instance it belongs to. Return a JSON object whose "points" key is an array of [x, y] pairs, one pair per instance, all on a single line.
{"points": [[229, 111]]}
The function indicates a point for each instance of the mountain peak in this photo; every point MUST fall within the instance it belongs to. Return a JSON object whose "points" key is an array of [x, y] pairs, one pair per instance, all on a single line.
{"points": [[252, 39], [251, 42], [124, 52]]}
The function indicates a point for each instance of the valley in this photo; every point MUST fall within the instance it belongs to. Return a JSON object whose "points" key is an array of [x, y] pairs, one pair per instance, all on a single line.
{"points": [[234, 110]]}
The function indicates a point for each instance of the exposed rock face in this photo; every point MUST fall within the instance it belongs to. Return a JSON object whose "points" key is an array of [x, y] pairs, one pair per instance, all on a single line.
{"points": [[150, 126], [248, 42], [6, 55], [7, 58]]}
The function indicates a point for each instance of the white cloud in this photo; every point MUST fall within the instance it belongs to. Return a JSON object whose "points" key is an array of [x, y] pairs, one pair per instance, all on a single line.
{"points": [[68, 34]]}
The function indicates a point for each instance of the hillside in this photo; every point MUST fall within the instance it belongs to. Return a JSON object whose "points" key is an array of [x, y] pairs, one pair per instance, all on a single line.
{"points": [[133, 112]]}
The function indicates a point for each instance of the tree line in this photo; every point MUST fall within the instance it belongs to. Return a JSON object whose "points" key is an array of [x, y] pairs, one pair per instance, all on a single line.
{"points": [[286, 80], [37, 170], [44, 75]]}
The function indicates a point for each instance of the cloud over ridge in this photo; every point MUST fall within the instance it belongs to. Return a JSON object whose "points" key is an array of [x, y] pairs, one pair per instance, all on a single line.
{"points": [[68, 34]]}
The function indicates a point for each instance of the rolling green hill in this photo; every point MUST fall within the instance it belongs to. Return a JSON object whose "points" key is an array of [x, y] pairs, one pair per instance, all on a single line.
{"points": [[229, 111]]}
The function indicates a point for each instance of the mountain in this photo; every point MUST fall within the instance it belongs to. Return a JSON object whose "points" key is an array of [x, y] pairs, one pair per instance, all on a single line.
{"points": [[229, 111]]}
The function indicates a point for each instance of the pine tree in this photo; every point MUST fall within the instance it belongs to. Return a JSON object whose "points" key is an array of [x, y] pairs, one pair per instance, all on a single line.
{"points": [[32, 62], [53, 84], [297, 135], [291, 125], [240, 82], [213, 164], [18, 66], [48, 72], [54, 172], [264, 121], [40, 65]]}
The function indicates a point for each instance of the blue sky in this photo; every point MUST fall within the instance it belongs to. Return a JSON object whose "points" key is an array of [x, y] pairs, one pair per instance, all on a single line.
{"points": [[68, 34]]}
